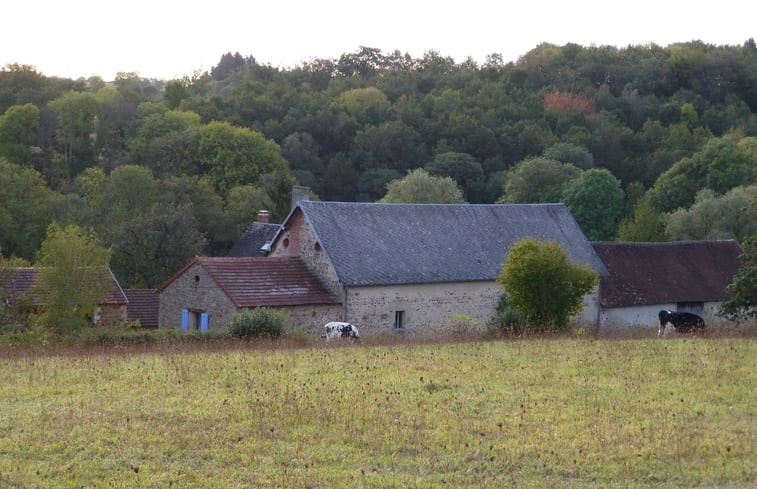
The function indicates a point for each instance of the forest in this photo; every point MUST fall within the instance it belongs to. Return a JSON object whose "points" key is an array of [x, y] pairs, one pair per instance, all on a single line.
{"points": [[643, 143]]}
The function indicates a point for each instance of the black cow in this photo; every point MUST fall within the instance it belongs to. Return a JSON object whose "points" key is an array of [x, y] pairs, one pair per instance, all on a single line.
{"points": [[683, 322]]}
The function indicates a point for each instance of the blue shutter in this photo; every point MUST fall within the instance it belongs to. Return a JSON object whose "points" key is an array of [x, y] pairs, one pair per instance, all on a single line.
{"points": [[204, 322], [185, 319]]}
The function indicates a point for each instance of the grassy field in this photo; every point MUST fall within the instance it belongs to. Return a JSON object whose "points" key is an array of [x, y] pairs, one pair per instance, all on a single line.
{"points": [[527, 413]]}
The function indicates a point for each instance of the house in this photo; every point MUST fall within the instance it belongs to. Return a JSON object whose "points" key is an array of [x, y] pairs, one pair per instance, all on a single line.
{"points": [[645, 278], [255, 239], [15, 291], [410, 267], [143, 306], [205, 293]]}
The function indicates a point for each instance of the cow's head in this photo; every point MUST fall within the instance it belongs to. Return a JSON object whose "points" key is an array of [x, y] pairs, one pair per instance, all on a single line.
{"points": [[664, 317]]}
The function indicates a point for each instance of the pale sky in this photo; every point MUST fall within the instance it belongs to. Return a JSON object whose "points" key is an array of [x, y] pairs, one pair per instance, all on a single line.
{"points": [[170, 39]]}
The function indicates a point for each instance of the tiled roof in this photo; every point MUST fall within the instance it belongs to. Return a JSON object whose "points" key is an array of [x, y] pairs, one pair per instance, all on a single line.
{"points": [[386, 244], [263, 281], [21, 279], [251, 242], [143, 306], [660, 273]]}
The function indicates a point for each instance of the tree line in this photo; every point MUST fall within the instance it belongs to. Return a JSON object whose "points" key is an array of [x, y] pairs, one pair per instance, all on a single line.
{"points": [[643, 143]]}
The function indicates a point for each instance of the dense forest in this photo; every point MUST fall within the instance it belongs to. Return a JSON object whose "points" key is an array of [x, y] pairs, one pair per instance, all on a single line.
{"points": [[643, 143]]}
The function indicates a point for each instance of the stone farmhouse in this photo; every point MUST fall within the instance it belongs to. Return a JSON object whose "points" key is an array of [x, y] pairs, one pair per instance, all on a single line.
{"points": [[384, 267], [205, 294], [645, 278], [18, 300]]}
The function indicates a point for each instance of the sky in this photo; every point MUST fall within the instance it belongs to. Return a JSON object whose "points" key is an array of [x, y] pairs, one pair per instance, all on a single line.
{"points": [[171, 39]]}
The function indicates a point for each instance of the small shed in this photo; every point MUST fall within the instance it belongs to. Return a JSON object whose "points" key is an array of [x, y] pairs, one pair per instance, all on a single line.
{"points": [[205, 293], [644, 278]]}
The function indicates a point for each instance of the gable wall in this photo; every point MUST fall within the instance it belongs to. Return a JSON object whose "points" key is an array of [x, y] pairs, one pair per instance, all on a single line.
{"points": [[187, 293], [302, 243]]}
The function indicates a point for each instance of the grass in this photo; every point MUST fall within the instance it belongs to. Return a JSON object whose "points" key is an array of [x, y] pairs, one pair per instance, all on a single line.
{"points": [[525, 413]]}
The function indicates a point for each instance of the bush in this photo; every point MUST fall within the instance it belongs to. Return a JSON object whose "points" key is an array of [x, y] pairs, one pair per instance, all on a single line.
{"points": [[508, 319], [261, 321]]}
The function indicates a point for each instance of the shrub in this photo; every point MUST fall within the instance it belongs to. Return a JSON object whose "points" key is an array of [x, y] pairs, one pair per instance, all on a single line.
{"points": [[261, 321], [507, 320]]}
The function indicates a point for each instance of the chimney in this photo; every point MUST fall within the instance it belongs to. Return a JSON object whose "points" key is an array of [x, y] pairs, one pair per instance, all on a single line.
{"points": [[298, 194], [263, 216]]}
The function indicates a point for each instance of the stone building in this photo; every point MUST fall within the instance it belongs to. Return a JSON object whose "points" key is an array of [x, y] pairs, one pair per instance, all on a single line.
{"points": [[19, 302], [205, 294], [411, 267], [644, 278]]}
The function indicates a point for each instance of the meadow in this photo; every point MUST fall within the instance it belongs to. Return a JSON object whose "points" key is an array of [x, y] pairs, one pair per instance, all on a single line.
{"points": [[511, 413]]}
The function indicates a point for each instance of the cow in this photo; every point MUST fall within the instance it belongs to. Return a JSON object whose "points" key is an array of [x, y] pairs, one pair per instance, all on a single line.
{"points": [[337, 330], [682, 322]]}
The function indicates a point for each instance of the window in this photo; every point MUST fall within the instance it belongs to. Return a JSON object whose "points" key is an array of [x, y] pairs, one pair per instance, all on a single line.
{"points": [[399, 320], [192, 320]]}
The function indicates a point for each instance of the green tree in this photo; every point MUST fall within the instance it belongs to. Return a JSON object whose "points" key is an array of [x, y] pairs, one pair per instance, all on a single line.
{"points": [[76, 114], [712, 216], [238, 156], [544, 285], [72, 280], [16, 127], [645, 224], [741, 302], [596, 201], [538, 180], [574, 154], [26, 208], [463, 169], [723, 163], [418, 187]]}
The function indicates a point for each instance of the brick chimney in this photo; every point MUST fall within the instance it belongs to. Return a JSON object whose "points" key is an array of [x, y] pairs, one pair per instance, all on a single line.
{"points": [[263, 216]]}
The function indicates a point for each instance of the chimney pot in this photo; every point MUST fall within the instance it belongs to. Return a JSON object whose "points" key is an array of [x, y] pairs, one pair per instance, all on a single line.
{"points": [[263, 216]]}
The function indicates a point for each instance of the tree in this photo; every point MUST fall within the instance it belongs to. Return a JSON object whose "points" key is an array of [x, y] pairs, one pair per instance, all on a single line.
{"points": [[646, 224], [741, 303], [544, 285], [574, 154], [76, 114], [418, 187], [596, 201], [538, 180], [72, 279], [238, 156], [16, 127], [26, 207], [462, 168], [730, 216]]}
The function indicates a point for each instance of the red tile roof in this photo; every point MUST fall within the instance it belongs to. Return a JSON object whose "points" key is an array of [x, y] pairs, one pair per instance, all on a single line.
{"points": [[143, 306], [22, 279], [660, 273], [262, 281]]}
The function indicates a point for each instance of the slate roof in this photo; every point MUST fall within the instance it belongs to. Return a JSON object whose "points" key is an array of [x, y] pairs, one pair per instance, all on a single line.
{"points": [[390, 244], [143, 306], [24, 278], [660, 273], [252, 241], [262, 281]]}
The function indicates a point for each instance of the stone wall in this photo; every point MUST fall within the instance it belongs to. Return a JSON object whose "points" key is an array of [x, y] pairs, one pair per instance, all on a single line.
{"points": [[195, 290], [426, 307], [298, 240], [110, 314]]}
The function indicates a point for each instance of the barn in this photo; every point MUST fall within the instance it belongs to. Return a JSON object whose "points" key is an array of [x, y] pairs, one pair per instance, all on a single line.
{"points": [[410, 267], [643, 278]]}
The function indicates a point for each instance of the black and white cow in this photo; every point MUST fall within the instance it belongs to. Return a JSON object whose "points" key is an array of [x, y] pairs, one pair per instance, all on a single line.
{"points": [[337, 329], [682, 322]]}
